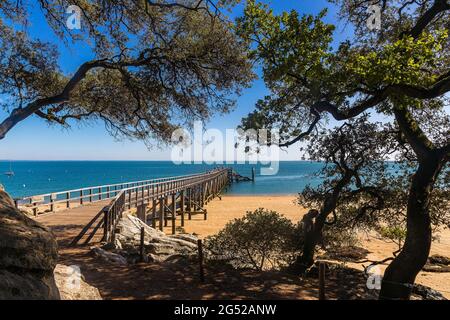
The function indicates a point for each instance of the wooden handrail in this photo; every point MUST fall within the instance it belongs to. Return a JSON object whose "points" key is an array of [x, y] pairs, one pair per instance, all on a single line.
{"points": [[93, 194], [142, 195]]}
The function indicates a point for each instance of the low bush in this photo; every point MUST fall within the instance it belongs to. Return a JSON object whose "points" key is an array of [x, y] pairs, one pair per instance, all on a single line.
{"points": [[260, 240]]}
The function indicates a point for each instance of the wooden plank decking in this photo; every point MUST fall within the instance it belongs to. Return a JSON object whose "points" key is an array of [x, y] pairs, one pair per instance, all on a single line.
{"points": [[67, 224]]}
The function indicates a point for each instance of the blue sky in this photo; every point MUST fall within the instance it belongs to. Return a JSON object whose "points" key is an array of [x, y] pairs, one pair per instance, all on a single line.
{"points": [[33, 139]]}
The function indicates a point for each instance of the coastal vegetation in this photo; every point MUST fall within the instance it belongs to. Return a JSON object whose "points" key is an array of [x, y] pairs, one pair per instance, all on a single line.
{"points": [[262, 239], [400, 71], [155, 66]]}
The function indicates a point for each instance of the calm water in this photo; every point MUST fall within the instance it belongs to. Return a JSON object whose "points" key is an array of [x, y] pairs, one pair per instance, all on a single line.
{"points": [[38, 177]]}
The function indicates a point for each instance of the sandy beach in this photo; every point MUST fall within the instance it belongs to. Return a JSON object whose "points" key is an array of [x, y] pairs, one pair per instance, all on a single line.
{"points": [[230, 207]]}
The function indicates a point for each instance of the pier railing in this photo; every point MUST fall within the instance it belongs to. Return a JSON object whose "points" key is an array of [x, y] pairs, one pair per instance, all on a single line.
{"points": [[185, 194], [50, 202]]}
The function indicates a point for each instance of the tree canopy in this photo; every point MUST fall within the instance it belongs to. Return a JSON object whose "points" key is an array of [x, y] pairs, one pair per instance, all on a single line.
{"points": [[156, 65], [400, 71], [310, 80]]}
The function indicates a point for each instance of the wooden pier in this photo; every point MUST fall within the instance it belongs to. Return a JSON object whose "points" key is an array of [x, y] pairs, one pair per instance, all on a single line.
{"points": [[161, 202], [158, 202]]}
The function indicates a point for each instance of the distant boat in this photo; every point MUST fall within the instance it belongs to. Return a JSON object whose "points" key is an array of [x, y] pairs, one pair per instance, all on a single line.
{"points": [[9, 173]]}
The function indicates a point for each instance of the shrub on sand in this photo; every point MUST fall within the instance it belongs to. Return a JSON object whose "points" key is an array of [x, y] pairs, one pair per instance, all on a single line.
{"points": [[260, 240]]}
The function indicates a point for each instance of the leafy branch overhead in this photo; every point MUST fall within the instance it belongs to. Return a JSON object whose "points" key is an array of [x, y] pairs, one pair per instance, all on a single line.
{"points": [[156, 66], [401, 73], [310, 79]]}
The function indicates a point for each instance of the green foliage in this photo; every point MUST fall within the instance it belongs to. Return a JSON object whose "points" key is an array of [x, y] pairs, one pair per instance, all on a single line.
{"points": [[286, 44], [338, 237], [262, 239], [400, 62], [396, 234], [156, 65], [400, 71], [307, 74]]}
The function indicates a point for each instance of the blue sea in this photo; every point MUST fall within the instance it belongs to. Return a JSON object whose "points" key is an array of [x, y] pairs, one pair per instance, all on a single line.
{"points": [[39, 177]]}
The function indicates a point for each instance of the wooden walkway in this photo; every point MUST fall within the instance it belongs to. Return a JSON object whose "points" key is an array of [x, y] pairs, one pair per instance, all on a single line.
{"points": [[67, 224], [89, 217]]}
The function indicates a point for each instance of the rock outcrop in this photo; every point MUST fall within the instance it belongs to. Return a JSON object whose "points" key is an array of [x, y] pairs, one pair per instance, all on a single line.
{"points": [[437, 263], [72, 285], [28, 255], [106, 256], [158, 246], [426, 293]]}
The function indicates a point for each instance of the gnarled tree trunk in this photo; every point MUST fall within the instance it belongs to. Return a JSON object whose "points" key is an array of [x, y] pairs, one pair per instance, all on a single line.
{"points": [[313, 234], [400, 275]]}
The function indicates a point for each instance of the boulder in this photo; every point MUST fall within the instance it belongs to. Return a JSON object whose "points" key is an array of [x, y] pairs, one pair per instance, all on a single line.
{"points": [[426, 293], [186, 237], [72, 285], [437, 259], [158, 246], [437, 263], [109, 256], [435, 268], [28, 255]]}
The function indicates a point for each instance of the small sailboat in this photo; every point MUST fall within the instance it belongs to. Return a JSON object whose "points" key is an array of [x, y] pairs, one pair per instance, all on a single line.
{"points": [[9, 173]]}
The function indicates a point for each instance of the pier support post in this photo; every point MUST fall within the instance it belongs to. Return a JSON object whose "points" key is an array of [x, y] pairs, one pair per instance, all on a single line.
{"points": [[200, 260], [166, 204], [136, 196], [154, 213], [182, 207], [141, 214], [174, 211], [142, 247], [161, 214], [68, 199], [189, 207], [129, 199], [52, 206], [105, 224], [202, 194]]}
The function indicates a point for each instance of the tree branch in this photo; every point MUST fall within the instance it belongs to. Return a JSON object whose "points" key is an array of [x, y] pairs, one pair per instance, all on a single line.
{"points": [[413, 133], [326, 106], [306, 133], [439, 88], [20, 114], [437, 7]]}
